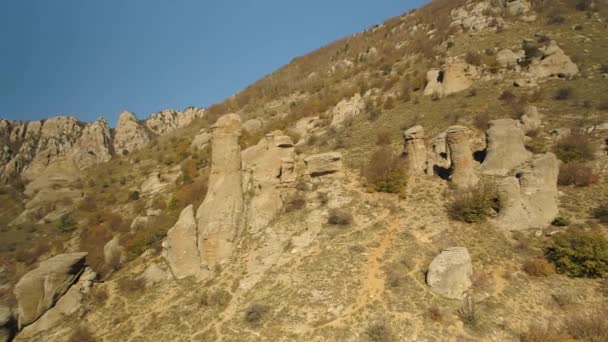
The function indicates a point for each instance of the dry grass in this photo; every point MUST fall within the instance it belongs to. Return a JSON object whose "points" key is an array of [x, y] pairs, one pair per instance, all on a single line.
{"points": [[576, 173], [538, 267]]}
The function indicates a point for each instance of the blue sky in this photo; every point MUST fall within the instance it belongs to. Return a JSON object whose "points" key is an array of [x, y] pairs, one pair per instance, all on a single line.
{"points": [[97, 58]]}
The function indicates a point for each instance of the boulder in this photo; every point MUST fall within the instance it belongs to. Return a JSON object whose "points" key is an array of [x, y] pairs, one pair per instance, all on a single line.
{"points": [[530, 119], [323, 164], [517, 7], [553, 62], [130, 135], [219, 217], [347, 109], [415, 148], [114, 254], [201, 140], [450, 273], [462, 167], [180, 249], [153, 275], [506, 149], [528, 198], [252, 126], [454, 77], [39, 289], [7, 324]]}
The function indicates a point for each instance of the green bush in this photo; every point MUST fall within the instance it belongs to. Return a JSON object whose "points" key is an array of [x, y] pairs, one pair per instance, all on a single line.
{"points": [[66, 224], [575, 146], [579, 254], [134, 196], [576, 173], [474, 206], [561, 221], [386, 171], [601, 213]]}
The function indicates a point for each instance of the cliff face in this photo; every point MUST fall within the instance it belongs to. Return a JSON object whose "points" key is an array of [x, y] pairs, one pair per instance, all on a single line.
{"points": [[30, 149]]}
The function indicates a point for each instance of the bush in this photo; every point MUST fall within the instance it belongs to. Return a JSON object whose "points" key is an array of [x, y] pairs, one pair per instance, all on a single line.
{"points": [[564, 94], [576, 173], [575, 146], [339, 217], [473, 58], [468, 313], [538, 267], [536, 145], [298, 202], [507, 96], [579, 254], [588, 326], [386, 171], [482, 121], [82, 334], [556, 19], [255, 312], [134, 196], [543, 333], [474, 206], [30, 256], [379, 331], [561, 221], [66, 224], [601, 213], [383, 137]]}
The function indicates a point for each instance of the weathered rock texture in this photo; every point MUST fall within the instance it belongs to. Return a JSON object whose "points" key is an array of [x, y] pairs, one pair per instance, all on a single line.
{"points": [[169, 120], [39, 289], [452, 78], [530, 119], [528, 198], [462, 164], [113, 253], [506, 149], [438, 155], [415, 149], [7, 324], [553, 62], [450, 273], [322, 164], [130, 134], [347, 109], [180, 247], [219, 217]]}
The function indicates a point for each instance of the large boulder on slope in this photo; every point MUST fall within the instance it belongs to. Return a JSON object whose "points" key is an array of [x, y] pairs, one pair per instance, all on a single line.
{"points": [[180, 249], [506, 149], [323, 164], [450, 273]]}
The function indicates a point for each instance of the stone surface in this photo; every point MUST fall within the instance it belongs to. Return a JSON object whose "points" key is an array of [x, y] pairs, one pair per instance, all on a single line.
{"points": [[462, 168], [530, 119], [219, 217], [553, 62], [323, 164], [438, 155], [252, 126], [169, 120], [7, 324], [154, 275], [415, 149], [454, 77], [529, 197], [113, 253], [201, 140], [180, 247], [347, 109], [450, 273], [39, 289], [508, 59], [506, 149], [130, 135]]}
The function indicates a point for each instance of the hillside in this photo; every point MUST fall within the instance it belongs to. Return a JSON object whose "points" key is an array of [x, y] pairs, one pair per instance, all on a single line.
{"points": [[438, 177]]}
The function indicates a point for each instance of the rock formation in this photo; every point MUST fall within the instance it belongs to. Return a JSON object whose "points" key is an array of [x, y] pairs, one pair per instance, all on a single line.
{"points": [[322, 164], [201, 140], [38, 290], [219, 217], [530, 119], [509, 59], [528, 198], [180, 247], [454, 77], [94, 145], [130, 134], [252, 126], [347, 109], [415, 149], [450, 273], [169, 120], [438, 156], [462, 164], [553, 62], [113, 253], [7, 324], [506, 149]]}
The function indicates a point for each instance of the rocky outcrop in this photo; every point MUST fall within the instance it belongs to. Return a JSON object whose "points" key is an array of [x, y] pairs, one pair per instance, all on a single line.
{"points": [[253, 126], [130, 134], [450, 273], [94, 145], [347, 109], [7, 324], [438, 156], [517, 7], [180, 247], [474, 17], [454, 77], [415, 149], [506, 149], [201, 140], [169, 120], [509, 59], [530, 119], [552, 62], [114, 254], [462, 164], [220, 215], [267, 171], [38, 290], [323, 164], [528, 198], [153, 275]]}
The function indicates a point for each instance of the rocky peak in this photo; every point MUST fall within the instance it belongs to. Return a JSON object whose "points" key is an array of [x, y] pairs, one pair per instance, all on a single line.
{"points": [[130, 134]]}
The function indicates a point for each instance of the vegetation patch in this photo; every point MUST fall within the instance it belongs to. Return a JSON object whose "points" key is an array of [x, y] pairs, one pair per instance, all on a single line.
{"points": [[474, 206], [578, 253], [386, 171]]}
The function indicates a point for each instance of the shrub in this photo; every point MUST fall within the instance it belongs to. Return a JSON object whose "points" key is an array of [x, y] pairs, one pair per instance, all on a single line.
{"points": [[386, 171], [482, 121], [543, 333], [579, 253], [538, 267], [507, 96], [583, 5], [603, 105], [575, 146], [339, 217], [556, 19], [66, 224], [134, 196], [383, 137], [588, 326], [473, 58], [379, 331], [82, 334], [536, 145], [561, 221], [601, 213], [564, 93], [30, 256], [434, 313], [474, 206], [576, 173], [298, 202], [131, 285], [468, 313], [255, 312]]}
